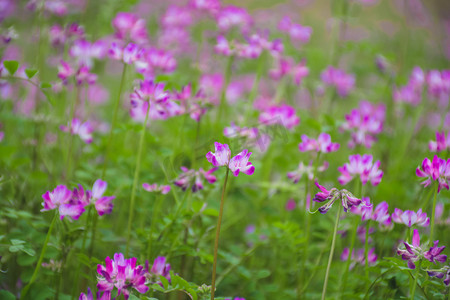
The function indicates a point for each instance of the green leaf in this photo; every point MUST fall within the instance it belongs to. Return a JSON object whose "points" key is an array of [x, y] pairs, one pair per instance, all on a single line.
{"points": [[164, 281], [5, 295], [211, 212], [17, 242], [133, 297], [15, 248], [45, 85], [30, 73], [11, 66], [29, 251]]}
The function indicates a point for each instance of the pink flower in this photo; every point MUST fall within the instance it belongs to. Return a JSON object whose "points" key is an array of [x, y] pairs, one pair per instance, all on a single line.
{"points": [[343, 82], [364, 210], [122, 274], [307, 170], [381, 215], [296, 31], [237, 164], [61, 198], [409, 217], [442, 142], [177, 16], [437, 170], [159, 268], [284, 115], [359, 257], [223, 47], [233, 16], [129, 27], [347, 198], [364, 123], [65, 71], [85, 51], [103, 204], [83, 130], [84, 75], [153, 60], [163, 189], [194, 178], [290, 205], [363, 167], [322, 144]]}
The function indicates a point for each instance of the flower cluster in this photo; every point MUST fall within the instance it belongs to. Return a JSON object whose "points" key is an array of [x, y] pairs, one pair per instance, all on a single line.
{"points": [[83, 130], [80, 73], [163, 189], [159, 268], [195, 105], [362, 166], [286, 66], [252, 49], [414, 252], [412, 92], [296, 32], [322, 144], [195, 178], [343, 82], [233, 16], [445, 271], [307, 170], [284, 115], [409, 217], [129, 27], [365, 123], [359, 257], [437, 170], [72, 203], [347, 199], [380, 214], [237, 164], [442, 142], [122, 274]]}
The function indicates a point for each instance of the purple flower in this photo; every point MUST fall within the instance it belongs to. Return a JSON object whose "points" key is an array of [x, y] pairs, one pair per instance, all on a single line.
{"points": [[410, 218], [444, 271], [122, 274], [347, 198], [359, 257], [210, 6], [159, 268], [437, 170], [290, 205], [177, 16], [365, 123], [84, 51], [381, 215], [296, 31], [364, 210], [284, 115], [237, 164], [442, 142], [362, 166], [343, 82], [414, 252], [231, 16], [61, 198], [83, 130], [412, 92], [103, 204], [322, 144], [129, 27], [194, 178], [163, 189]]}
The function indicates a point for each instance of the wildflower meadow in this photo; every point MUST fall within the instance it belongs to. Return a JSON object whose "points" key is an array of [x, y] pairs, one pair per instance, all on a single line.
{"points": [[232, 150]]}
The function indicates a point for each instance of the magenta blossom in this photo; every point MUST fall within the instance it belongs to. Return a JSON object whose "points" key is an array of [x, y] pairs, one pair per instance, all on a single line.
{"points": [[194, 178], [90, 296], [284, 115], [343, 82], [362, 166], [296, 32], [231, 16], [409, 217], [122, 274], [237, 164], [159, 268], [61, 198], [85, 51], [437, 170], [382, 216], [103, 204], [365, 210], [439, 219], [442, 142], [441, 273], [83, 130], [359, 257], [129, 27], [322, 144], [365, 123], [163, 189], [347, 199], [414, 252], [290, 205]]}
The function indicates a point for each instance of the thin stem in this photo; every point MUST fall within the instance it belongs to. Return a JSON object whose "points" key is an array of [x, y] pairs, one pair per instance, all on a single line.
{"points": [[113, 121], [366, 249], [69, 152], [433, 213], [330, 258], [156, 209], [136, 178], [216, 242], [83, 245], [415, 280], [225, 86], [41, 257]]}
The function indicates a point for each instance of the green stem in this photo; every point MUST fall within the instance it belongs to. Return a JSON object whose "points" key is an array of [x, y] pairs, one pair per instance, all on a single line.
{"points": [[114, 119], [222, 104], [349, 259], [156, 209], [415, 280], [433, 213], [136, 178], [41, 257], [330, 258], [366, 249], [216, 242], [69, 151]]}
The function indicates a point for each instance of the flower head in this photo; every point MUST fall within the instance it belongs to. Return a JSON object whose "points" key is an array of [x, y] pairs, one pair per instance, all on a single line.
{"points": [[347, 198], [362, 166], [441, 273], [61, 198], [163, 189], [123, 274], [194, 178], [343, 82], [442, 142], [322, 144], [128, 26], [284, 115], [409, 217], [83, 130], [159, 268], [436, 170], [359, 257]]}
